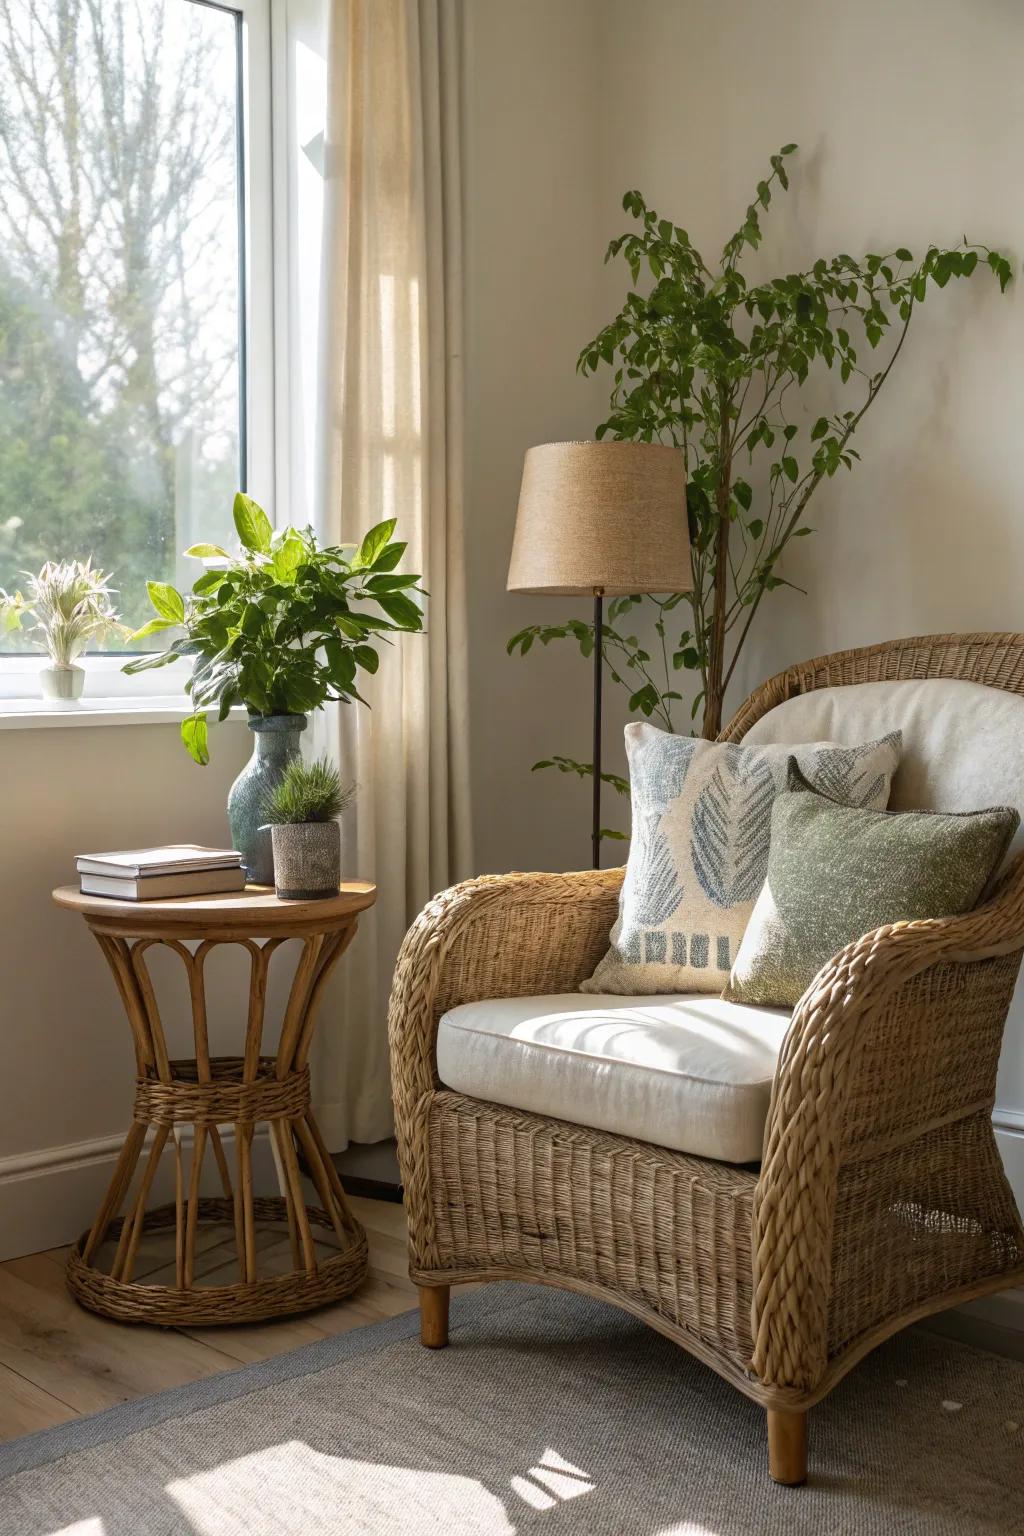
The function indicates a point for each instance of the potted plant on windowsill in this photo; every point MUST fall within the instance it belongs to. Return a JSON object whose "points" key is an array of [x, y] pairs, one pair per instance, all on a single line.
{"points": [[70, 604], [302, 810], [283, 627]]}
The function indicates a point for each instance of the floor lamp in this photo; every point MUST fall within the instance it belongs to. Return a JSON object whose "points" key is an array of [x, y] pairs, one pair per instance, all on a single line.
{"points": [[605, 519]]}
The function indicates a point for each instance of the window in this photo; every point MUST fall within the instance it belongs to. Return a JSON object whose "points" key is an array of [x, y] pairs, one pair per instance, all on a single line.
{"points": [[125, 284]]}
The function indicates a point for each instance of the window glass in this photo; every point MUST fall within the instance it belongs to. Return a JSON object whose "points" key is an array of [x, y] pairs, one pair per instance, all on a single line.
{"points": [[121, 287]]}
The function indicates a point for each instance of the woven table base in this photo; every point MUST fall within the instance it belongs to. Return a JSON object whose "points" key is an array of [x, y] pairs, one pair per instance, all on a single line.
{"points": [[193, 1112], [209, 1305]]}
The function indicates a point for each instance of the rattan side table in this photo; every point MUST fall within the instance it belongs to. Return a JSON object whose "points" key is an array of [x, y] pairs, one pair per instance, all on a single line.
{"points": [[209, 1093]]}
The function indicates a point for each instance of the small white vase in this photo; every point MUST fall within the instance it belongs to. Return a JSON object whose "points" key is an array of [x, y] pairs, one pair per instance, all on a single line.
{"points": [[62, 685]]}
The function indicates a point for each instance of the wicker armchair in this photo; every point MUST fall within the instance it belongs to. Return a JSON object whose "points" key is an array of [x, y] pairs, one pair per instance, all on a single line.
{"points": [[881, 1196]]}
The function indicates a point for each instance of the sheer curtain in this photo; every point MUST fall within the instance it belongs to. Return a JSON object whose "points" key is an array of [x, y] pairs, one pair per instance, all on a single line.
{"points": [[389, 445]]}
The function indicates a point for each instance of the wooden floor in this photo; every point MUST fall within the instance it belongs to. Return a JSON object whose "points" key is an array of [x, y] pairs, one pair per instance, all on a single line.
{"points": [[58, 1361]]}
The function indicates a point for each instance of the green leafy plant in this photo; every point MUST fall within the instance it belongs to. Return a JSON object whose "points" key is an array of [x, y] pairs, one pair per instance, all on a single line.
{"points": [[284, 625], [69, 604], [704, 360], [308, 792]]}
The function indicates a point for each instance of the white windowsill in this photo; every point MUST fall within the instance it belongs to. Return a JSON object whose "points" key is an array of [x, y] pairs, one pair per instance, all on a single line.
{"points": [[39, 714]]}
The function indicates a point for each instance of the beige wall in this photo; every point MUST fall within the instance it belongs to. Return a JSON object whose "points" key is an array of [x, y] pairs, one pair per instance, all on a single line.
{"points": [[909, 120], [533, 180], [69, 790], [64, 1045]]}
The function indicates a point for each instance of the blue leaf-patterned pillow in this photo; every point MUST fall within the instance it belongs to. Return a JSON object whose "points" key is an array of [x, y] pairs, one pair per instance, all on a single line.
{"points": [[699, 849]]}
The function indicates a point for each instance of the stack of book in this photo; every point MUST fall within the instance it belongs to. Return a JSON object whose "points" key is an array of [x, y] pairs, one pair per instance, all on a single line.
{"points": [[150, 874]]}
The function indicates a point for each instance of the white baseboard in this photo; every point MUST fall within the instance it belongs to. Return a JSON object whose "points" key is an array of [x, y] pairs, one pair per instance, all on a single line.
{"points": [[49, 1197]]}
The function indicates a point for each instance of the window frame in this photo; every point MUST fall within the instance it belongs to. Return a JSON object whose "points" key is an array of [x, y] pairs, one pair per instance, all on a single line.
{"points": [[104, 677]]}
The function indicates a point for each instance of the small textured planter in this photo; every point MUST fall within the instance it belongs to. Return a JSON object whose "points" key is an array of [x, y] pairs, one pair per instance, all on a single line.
{"points": [[307, 860], [62, 685]]}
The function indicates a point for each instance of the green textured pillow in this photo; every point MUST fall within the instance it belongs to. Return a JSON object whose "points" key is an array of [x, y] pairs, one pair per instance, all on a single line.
{"points": [[836, 872]]}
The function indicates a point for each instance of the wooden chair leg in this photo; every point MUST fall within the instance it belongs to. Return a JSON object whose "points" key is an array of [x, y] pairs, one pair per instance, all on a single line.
{"points": [[434, 1315], [787, 1446]]}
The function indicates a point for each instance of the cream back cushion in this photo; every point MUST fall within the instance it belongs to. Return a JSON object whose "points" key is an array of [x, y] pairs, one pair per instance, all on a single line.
{"points": [[963, 743]]}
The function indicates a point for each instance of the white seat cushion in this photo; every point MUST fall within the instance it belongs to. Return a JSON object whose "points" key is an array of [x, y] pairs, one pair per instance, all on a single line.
{"points": [[689, 1072]]}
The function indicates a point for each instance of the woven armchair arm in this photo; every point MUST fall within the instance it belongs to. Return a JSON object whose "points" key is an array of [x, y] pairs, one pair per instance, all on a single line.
{"points": [[515, 935], [897, 1036]]}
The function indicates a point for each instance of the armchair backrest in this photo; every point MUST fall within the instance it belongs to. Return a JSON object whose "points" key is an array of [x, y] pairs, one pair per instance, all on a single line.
{"points": [[958, 699]]}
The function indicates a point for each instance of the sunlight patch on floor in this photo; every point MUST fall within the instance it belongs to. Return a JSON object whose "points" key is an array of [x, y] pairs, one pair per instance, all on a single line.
{"points": [[556, 1475], [298, 1489], [686, 1529]]}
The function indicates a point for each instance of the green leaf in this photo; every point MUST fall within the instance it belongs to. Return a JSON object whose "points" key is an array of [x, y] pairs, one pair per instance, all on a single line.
{"points": [[350, 626], [374, 544], [252, 524], [194, 735], [152, 628], [902, 254], [207, 552], [389, 558], [790, 469], [289, 556], [167, 601], [756, 527], [400, 609], [787, 149], [252, 620], [149, 663], [391, 583], [819, 429], [366, 657]]}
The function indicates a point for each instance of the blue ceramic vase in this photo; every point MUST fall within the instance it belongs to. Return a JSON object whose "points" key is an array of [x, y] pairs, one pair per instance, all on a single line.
{"points": [[277, 742]]}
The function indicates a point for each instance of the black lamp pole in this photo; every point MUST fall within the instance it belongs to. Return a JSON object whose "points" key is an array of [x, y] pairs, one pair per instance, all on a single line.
{"points": [[595, 835]]}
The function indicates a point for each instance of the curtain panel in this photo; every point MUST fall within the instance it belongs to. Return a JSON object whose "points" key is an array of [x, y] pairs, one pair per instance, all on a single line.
{"points": [[390, 445]]}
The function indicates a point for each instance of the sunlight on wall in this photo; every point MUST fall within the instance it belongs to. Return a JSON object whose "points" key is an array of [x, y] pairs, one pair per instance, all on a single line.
{"points": [[94, 1527]]}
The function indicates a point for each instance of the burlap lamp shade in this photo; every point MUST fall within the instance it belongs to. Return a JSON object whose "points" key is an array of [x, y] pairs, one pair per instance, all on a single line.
{"points": [[602, 517], [606, 519]]}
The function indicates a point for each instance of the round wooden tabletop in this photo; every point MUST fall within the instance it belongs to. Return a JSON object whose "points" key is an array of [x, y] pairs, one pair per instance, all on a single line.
{"points": [[257, 908]]}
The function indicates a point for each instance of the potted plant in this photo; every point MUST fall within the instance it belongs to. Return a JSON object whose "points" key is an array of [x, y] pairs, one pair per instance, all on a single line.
{"points": [[712, 363], [70, 604], [302, 810], [283, 626]]}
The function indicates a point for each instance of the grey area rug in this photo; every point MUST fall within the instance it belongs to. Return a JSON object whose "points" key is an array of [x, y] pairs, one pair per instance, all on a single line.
{"points": [[549, 1413]]}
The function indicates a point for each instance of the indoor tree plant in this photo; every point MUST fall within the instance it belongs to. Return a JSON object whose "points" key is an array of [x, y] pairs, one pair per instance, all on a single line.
{"points": [[283, 627], [302, 810], [69, 603], [705, 361]]}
